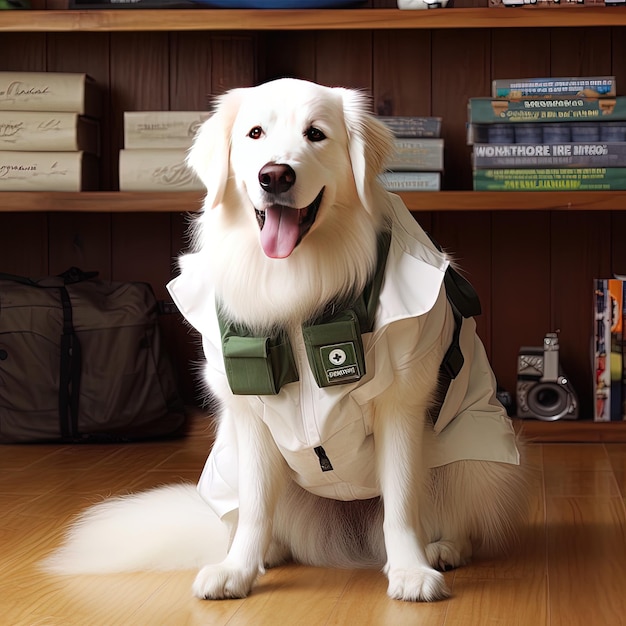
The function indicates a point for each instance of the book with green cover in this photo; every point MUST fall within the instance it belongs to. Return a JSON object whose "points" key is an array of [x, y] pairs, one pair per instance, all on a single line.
{"points": [[550, 179], [553, 109]]}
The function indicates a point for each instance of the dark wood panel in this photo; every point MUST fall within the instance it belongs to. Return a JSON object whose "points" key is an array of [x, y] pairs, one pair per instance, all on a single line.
{"points": [[233, 62], [23, 52], [580, 51], [581, 251], [510, 58], [191, 71], [344, 59], [402, 73], [24, 243], [520, 309], [289, 54], [456, 76], [80, 240]]}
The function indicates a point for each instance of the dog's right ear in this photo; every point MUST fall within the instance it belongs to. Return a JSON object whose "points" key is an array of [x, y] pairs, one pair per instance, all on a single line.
{"points": [[209, 155]]}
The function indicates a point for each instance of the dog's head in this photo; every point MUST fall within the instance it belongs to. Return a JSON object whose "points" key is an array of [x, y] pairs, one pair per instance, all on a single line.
{"points": [[293, 152]]}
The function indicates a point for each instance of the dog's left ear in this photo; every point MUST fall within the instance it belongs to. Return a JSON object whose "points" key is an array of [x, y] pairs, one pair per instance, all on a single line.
{"points": [[370, 144], [209, 155]]}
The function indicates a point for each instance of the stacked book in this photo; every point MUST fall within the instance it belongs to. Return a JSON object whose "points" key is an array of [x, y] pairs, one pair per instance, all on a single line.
{"points": [[418, 159], [155, 148], [549, 134], [49, 132], [609, 375]]}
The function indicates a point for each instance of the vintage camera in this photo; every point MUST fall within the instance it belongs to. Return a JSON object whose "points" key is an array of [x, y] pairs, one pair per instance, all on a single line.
{"points": [[543, 391]]}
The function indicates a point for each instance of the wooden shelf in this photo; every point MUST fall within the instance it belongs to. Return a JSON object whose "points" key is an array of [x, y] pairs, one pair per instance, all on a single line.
{"points": [[308, 19], [571, 431], [158, 202]]}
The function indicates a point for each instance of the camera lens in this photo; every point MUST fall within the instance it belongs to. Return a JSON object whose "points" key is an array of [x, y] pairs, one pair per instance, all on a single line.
{"points": [[548, 401]]}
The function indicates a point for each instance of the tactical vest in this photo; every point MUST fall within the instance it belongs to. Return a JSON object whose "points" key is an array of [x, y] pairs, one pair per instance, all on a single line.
{"points": [[261, 365]]}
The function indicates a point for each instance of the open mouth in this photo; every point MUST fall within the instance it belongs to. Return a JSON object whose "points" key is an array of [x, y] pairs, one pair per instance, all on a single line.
{"points": [[283, 227]]}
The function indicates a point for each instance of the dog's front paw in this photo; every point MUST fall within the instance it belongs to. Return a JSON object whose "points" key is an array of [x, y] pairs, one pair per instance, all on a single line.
{"points": [[421, 584], [220, 581], [444, 555]]}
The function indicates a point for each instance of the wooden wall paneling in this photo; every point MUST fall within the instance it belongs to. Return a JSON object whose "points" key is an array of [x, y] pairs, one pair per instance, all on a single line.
{"points": [[580, 51], [402, 72], [23, 52], [288, 54], [618, 243], [24, 243], [466, 236], [510, 53], [80, 240], [190, 71], [344, 58], [456, 76], [520, 302], [233, 59], [618, 54], [581, 251]]}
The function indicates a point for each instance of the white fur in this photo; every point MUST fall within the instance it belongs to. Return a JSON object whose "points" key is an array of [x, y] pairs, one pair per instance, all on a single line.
{"points": [[430, 519]]}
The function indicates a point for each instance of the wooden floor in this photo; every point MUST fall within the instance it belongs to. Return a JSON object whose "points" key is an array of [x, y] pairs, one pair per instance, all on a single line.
{"points": [[570, 568]]}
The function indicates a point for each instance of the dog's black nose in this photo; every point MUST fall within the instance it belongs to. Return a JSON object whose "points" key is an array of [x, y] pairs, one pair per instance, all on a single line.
{"points": [[276, 178]]}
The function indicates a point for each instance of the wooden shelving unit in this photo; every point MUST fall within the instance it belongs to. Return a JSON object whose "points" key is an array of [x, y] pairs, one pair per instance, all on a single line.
{"points": [[158, 202], [152, 28], [303, 19]]}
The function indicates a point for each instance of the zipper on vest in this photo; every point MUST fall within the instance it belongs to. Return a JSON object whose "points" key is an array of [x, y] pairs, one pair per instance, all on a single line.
{"points": [[325, 463]]}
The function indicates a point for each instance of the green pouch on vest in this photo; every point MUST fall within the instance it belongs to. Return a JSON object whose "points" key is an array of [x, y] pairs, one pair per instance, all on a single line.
{"points": [[258, 365], [335, 350]]}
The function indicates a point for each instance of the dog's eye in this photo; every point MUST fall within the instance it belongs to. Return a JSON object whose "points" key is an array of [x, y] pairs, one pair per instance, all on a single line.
{"points": [[314, 134], [256, 133]]}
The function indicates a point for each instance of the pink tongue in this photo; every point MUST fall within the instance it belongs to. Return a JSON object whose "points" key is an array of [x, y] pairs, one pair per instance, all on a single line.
{"points": [[280, 232]]}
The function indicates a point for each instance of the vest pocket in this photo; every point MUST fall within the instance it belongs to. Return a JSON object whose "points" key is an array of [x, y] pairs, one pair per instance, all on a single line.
{"points": [[258, 365]]}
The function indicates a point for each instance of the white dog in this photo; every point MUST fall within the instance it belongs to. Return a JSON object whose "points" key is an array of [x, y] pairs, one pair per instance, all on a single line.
{"points": [[325, 322]]}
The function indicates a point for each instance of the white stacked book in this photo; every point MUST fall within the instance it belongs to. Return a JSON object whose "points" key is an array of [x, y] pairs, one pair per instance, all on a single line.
{"points": [[155, 148], [417, 162], [49, 135]]}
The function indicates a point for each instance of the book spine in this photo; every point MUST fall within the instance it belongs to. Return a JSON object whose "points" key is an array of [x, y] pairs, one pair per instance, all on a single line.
{"points": [[550, 179], [49, 91], [48, 171], [549, 155], [412, 126], [422, 155], [56, 132], [587, 86], [411, 181], [549, 109], [161, 129], [601, 347], [558, 132], [615, 363], [156, 170]]}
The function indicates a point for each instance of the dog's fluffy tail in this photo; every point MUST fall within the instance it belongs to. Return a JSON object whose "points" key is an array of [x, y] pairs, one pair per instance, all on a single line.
{"points": [[162, 529]]}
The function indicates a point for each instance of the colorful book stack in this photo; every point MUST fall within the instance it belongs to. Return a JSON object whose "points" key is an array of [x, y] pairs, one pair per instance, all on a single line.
{"points": [[549, 134], [609, 380], [155, 147], [49, 132], [418, 160]]}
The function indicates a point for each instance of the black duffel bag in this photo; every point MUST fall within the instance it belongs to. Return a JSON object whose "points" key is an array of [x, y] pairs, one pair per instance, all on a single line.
{"points": [[82, 360]]}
